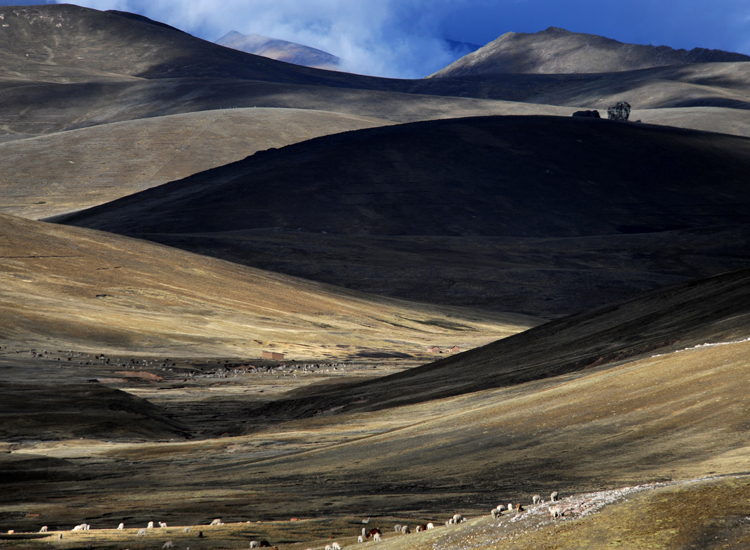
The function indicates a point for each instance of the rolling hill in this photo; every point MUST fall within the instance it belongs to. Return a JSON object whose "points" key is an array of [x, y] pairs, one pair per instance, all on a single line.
{"points": [[645, 390], [521, 214], [544, 215], [74, 289], [94, 165], [557, 51], [85, 67], [489, 176]]}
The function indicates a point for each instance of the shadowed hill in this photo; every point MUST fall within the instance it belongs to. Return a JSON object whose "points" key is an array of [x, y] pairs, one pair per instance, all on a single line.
{"points": [[559, 51], [492, 176], [714, 309], [527, 214], [78, 411], [281, 50]]}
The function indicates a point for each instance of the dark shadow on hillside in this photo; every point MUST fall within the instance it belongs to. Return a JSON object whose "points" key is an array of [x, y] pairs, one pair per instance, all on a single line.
{"points": [[714, 309]]}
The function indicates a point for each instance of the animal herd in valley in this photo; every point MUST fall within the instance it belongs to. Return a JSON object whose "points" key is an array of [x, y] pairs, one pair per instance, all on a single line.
{"points": [[374, 533]]}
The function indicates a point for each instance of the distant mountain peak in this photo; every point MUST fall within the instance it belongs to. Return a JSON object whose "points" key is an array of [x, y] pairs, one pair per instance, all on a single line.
{"points": [[281, 50], [559, 51]]}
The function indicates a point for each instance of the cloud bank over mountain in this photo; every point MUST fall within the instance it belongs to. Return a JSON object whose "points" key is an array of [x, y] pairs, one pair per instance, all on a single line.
{"points": [[406, 38]]}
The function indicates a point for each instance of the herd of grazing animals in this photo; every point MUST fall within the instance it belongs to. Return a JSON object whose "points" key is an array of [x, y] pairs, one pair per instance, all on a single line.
{"points": [[555, 512]]}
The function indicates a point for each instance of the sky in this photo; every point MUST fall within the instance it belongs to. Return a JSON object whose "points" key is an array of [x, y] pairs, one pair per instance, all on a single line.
{"points": [[406, 38]]}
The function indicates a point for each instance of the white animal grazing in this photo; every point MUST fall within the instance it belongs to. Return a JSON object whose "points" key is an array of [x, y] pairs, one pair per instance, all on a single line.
{"points": [[364, 532], [121, 527], [555, 511], [405, 530], [141, 532], [510, 507], [397, 528], [366, 520], [187, 529], [82, 527], [553, 497], [168, 544], [495, 513], [328, 547], [43, 529], [335, 546], [150, 525], [162, 525], [254, 544], [430, 526], [217, 521], [536, 498], [360, 539], [458, 518], [376, 537]]}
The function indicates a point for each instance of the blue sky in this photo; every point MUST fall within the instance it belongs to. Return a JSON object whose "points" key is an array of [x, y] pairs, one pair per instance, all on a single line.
{"points": [[403, 38]]}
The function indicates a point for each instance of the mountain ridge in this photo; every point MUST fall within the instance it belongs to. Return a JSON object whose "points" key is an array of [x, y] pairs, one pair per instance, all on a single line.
{"points": [[558, 51]]}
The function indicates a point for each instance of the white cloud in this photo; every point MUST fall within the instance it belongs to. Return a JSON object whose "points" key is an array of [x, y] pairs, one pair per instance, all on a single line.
{"points": [[393, 38]]}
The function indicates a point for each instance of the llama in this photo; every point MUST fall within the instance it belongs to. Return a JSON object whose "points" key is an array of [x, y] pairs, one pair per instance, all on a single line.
{"points": [[162, 525], [555, 511], [187, 529], [553, 497], [495, 513], [430, 526], [376, 537], [121, 527], [536, 499], [141, 532], [150, 525], [217, 521], [397, 528], [254, 544], [360, 539], [335, 546], [458, 518], [168, 544], [43, 529], [405, 530]]}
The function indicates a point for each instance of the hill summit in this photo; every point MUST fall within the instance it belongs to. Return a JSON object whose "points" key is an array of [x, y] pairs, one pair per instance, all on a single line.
{"points": [[281, 50], [558, 51]]}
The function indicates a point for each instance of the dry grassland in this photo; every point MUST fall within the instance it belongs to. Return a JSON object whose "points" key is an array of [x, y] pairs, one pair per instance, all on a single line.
{"points": [[66, 288], [68, 171], [671, 417]]}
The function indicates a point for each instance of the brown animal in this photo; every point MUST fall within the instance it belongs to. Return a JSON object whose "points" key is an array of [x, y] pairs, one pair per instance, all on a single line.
{"points": [[422, 527], [372, 532], [519, 508]]}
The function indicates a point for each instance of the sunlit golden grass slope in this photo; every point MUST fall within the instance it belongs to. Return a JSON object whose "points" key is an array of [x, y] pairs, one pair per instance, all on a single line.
{"points": [[83, 289], [680, 415], [67, 171]]}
